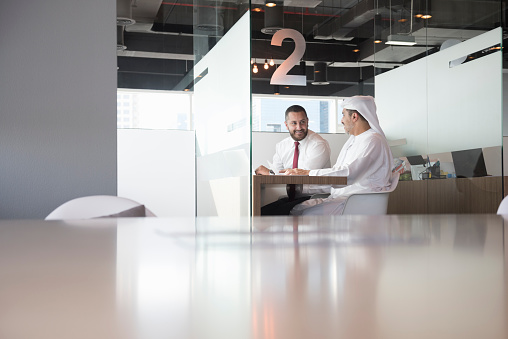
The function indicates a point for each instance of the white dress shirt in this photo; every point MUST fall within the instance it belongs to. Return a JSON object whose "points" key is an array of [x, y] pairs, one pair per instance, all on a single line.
{"points": [[314, 153]]}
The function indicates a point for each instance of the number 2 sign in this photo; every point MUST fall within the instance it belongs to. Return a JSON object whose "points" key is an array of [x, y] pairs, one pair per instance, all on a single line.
{"points": [[280, 76]]}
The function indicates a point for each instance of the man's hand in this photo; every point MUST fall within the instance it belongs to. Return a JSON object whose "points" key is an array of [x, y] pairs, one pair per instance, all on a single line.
{"points": [[295, 171], [262, 170]]}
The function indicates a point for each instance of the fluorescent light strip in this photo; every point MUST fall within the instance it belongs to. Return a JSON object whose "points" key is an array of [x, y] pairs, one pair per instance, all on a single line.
{"points": [[401, 40]]}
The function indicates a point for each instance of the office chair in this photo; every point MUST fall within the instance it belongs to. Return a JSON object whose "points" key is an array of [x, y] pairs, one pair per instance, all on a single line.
{"points": [[503, 207], [375, 203], [99, 206]]}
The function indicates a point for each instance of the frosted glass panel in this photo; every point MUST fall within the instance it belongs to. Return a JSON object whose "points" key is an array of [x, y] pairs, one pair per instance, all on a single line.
{"points": [[149, 174], [441, 109], [401, 101], [451, 114], [464, 102], [222, 105]]}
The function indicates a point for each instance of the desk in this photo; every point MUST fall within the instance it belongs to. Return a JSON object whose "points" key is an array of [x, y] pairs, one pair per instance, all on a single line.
{"points": [[396, 277], [259, 180]]}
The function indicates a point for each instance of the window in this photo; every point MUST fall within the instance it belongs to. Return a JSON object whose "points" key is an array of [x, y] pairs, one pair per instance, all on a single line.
{"points": [[268, 113], [173, 110], [153, 109]]}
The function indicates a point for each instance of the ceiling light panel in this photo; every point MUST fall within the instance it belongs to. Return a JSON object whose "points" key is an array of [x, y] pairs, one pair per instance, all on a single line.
{"points": [[401, 40], [293, 3]]}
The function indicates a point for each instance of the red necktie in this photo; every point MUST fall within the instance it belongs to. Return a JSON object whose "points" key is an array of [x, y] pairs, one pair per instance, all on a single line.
{"points": [[295, 158], [291, 189]]}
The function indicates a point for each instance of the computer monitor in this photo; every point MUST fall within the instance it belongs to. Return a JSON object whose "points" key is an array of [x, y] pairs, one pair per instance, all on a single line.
{"points": [[469, 163]]}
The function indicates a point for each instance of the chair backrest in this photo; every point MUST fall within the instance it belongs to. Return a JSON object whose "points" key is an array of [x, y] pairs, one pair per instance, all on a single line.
{"points": [[97, 206], [367, 204], [375, 203], [503, 206]]}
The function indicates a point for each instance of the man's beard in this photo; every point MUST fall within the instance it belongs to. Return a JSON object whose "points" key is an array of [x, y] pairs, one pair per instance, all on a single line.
{"points": [[293, 135]]}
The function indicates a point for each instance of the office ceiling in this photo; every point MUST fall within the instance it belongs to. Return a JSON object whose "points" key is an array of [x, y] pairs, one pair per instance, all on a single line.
{"points": [[169, 36]]}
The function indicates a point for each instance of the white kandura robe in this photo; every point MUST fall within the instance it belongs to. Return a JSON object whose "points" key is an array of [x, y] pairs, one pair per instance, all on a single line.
{"points": [[366, 161]]}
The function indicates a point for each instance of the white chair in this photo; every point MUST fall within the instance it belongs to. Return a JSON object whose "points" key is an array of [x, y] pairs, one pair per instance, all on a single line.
{"points": [[375, 203], [503, 206], [97, 206]]}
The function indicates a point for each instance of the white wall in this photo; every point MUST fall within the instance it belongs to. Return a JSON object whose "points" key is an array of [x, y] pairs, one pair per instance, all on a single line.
{"points": [[157, 169], [57, 103]]}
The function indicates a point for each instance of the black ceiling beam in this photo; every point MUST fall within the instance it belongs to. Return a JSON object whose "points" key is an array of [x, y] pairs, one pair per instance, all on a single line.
{"points": [[159, 43], [328, 52]]}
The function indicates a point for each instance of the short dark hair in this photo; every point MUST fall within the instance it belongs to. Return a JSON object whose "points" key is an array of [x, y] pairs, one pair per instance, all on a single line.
{"points": [[351, 111], [295, 109]]}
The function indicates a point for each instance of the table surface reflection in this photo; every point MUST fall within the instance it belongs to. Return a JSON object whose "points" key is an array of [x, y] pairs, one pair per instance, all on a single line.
{"points": [[426, 276]]}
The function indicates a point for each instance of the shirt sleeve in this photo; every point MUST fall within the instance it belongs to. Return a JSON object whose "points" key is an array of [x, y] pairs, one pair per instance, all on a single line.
{"points": [[318, 156], [367, 161], [277, 163]]}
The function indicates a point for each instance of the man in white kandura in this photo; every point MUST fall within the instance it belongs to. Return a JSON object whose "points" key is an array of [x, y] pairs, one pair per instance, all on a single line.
{"points": [[365, 159], [302, 149]]}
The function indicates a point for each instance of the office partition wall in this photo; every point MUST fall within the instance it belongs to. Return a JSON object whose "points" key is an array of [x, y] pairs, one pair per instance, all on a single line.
{"points": [[447, 108], [432, 92], [222, 122], [200, 50]]}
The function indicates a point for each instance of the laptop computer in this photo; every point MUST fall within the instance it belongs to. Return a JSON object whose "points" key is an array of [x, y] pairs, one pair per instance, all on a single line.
{"points": [[416, 160]]}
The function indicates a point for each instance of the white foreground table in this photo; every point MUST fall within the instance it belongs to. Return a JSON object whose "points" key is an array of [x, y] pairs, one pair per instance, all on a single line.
{"points": [[319, 277]]}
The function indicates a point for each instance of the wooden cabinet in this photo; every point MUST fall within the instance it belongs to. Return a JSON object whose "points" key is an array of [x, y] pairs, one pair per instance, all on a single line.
{"points": [[442, 196]]}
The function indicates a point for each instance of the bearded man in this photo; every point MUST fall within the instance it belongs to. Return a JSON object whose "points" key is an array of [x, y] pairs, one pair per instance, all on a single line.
{"points": [[303, 149]]}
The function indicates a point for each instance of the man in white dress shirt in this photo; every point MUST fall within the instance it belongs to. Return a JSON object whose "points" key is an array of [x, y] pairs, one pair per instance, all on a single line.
{"points": [[302, 149], [365, 159]]}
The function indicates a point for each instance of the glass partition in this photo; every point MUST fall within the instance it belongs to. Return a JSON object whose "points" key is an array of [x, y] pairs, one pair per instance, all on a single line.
{"points": [[435, 70], [185, 65], [222, 123], [434, 67], [443, 103]]}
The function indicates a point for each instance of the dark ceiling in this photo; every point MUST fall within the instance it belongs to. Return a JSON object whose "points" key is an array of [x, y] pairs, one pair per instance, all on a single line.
{"points": [[169, 36]]}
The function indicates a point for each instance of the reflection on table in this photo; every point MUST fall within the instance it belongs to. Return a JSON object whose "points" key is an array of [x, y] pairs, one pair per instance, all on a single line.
{"points": [[271, 277]]}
